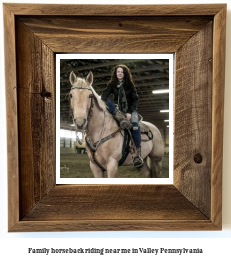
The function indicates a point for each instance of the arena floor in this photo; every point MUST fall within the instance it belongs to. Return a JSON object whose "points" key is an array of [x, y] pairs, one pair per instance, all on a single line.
{"points": [[77, 166]]}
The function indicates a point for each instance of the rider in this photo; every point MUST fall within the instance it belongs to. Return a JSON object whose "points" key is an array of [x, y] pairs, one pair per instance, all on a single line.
{"points": [[125, 96]]}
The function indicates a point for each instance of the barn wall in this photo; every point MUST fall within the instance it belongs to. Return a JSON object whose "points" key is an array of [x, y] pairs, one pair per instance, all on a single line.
{"points": [[67, 145]]}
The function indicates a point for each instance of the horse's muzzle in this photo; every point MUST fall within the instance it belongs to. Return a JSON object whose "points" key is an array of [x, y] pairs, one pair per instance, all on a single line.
{"points": [[80, 123]]}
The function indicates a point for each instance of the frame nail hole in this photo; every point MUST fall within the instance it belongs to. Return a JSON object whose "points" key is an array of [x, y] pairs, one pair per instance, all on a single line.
{"points": [[46, 94], [198, 158]]}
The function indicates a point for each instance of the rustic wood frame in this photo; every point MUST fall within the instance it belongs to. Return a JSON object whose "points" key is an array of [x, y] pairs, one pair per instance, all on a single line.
{"points": [[33, 34]]}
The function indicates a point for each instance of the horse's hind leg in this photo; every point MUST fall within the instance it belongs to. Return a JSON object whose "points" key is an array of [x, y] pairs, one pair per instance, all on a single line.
{"points": [[97, 172], [146, 170], [156, 167], [156, 156], [152, 167]]}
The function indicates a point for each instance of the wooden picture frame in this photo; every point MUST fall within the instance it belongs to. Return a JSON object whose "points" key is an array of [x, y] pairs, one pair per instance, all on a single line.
{"points": [[34, 33]]}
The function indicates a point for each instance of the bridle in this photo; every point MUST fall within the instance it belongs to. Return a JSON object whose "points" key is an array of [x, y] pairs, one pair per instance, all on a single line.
{"points": [[90, 113], [91, 105]]}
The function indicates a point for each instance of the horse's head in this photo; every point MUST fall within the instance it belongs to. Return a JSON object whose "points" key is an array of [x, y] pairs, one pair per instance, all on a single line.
{"points": [[80, 99]]}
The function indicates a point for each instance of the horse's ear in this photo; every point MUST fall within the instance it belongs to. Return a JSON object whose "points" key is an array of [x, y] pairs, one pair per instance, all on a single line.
{"points": [[89, 79], [72, 78]]}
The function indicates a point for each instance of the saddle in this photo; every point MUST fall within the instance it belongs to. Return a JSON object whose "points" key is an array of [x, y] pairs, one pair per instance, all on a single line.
{"points": [[127, 147], [128, 144]]}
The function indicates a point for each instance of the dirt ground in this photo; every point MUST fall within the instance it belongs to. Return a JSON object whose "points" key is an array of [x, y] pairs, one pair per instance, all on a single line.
{"points": [[78, 166]]}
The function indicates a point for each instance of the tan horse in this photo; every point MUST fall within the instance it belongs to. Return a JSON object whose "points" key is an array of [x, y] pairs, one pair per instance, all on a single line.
{"points": [[90, 115]]}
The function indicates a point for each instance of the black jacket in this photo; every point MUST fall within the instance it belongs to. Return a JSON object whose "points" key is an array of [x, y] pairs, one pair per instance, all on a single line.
{"points": [[131, 95]]}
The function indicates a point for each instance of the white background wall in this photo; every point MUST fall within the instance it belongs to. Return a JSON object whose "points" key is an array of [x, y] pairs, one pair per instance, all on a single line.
{"points": [[214, 244]]}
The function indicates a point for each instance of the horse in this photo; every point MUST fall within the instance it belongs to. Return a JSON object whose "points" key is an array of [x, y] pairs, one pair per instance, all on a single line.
{"points": [[90, 116]]}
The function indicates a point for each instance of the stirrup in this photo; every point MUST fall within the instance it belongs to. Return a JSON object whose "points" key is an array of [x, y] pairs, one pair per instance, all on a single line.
{"points": [[138, 162]]}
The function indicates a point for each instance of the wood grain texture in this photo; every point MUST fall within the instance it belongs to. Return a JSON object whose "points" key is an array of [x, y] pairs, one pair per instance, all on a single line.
{"points": [[114, 202], [115, 34], [218, 114], [114, 10], [12, 117], [111, 207], [48, 144], [114, 225], [35, 67], [194, 201], [193, 127]]}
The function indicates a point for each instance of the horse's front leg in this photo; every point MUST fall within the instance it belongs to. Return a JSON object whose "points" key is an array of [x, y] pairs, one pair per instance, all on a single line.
{"points": [[97, 172], [112, 168]]}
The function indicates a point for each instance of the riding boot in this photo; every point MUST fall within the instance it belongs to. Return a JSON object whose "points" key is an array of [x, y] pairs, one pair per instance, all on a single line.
{"points": [[124, 123], [138, 161]]}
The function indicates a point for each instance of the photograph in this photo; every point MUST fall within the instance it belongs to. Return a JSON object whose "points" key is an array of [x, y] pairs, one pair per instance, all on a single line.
{"points": [[115, 118]]}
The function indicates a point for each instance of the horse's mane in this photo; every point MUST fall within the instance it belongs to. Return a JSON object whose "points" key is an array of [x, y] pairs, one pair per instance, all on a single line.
{"points": [[102, 104]]}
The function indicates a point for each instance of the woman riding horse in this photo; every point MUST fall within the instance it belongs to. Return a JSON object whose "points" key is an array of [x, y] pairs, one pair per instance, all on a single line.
{"points": [[125, 96]]}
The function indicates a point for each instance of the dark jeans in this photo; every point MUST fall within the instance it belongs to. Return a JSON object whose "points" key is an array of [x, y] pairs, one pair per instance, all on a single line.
{"points": [[134, 120], [110, 106]]}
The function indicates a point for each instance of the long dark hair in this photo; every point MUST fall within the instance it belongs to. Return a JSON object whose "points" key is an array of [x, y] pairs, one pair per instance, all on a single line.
{"points": [[127, 76]]}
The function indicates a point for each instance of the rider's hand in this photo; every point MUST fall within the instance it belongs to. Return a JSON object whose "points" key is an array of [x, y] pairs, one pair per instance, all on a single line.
{"points": [[128, 116]]}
